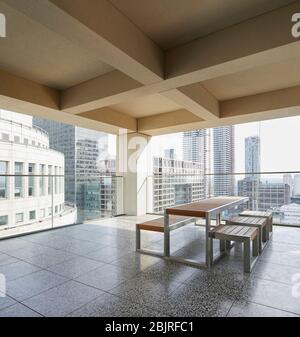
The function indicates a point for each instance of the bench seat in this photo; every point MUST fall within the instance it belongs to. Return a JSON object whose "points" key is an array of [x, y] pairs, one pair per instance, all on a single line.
{"points": [[157, 225], [244, 234], [261, 214], [258, 222]]}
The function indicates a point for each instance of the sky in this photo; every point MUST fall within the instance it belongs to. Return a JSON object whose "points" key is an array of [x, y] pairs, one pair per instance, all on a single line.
{"points": [[280, 144]]}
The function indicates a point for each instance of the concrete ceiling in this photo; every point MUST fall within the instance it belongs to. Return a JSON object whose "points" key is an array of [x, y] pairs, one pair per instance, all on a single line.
{"points": [[151, 66], [170, 23], [33, 51]]}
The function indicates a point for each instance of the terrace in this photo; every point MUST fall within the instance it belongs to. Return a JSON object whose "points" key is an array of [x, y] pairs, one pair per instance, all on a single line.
{"points": [[195, 67]]}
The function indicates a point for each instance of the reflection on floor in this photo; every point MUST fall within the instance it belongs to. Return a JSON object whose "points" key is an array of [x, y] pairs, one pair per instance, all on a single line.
{"points": [[92, 270]]}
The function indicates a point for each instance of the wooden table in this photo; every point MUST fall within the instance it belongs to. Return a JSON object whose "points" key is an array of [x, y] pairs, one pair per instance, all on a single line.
{"points": [[202, 209]]}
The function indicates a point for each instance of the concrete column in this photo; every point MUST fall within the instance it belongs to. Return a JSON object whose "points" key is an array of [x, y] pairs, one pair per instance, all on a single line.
{"points": [[134, 163]]}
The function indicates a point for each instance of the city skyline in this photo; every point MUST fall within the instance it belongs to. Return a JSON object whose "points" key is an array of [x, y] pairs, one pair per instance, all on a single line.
{"points": [[281, 133]]}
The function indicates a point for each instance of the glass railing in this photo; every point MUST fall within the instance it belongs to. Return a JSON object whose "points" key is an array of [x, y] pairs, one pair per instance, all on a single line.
{"points": [[30, 203], [278, 192]]}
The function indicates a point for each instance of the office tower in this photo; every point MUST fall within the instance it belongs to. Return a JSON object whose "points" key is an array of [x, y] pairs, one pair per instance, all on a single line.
{"points": [[252, 157], [273, 195], [297, 184], [288, 180], [176, 182], [195, 146], [170, 153], [249, 187], [84, 152], [223, 145]]}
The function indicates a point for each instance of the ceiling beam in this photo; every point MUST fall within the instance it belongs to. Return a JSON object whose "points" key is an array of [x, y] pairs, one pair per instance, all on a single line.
{"points": [[265, 103], [98, 92], [20, 89], [196, 99], [110, 116], [151, 124]]}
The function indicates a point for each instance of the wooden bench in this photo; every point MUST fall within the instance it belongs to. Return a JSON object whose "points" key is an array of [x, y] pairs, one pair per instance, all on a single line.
{"points": [[259, 223], [157, 225], [243, 234], [261, 214]]}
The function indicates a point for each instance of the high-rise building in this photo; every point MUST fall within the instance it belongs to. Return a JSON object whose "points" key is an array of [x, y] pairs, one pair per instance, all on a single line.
{"points": [[84, 150], [223, 144], [252, 157], [170, 153], [195, 146], [249, 187], [288, 180], [176, 182], [297, 184]]}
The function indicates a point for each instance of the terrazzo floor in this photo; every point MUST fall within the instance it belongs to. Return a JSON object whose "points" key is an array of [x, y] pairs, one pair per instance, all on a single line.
{"points": [[93, 270]]}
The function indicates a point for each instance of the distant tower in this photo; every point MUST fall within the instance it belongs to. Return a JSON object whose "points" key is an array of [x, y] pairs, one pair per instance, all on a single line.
{"points": [[170, 153], [288, 180], [252, 157], [223, 160]]}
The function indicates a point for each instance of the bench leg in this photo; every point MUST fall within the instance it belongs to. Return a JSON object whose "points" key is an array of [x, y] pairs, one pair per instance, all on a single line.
{"points": [[247, 257], [222, 246], [271, 224], [211, 251], [260, 240], [255, 246], [265, 236], [137, 238], [166, 236]]}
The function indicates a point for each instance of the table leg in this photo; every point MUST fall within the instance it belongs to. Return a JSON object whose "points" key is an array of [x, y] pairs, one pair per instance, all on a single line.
{"points": [[208, 253], [166, 235]]}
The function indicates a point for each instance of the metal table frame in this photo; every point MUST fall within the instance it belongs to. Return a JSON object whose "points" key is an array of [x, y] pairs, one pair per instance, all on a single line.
{"points": [[207, 214]]}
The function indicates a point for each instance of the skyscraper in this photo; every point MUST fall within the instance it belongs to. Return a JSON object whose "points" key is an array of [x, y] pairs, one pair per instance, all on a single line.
{"points": [[195, 146], [250, 186], [252, 157], [84, 150], [223, 160], [288, 180]]}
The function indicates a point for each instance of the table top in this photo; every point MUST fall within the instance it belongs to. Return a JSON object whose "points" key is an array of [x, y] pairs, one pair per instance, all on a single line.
{"points": [[206, 206]]}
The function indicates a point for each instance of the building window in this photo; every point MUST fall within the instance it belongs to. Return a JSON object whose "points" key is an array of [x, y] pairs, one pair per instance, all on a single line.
{"points": [[3, 220], [25, 141], [3, 179], [19, 217], [18, 180], [42, 213], [5, 137], [50, 210], [17, 139], [56, 208], [31, 179], [32, 215]]}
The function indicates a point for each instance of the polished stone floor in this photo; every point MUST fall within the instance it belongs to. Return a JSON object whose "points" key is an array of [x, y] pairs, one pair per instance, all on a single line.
{"points": [[92, 270]]}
